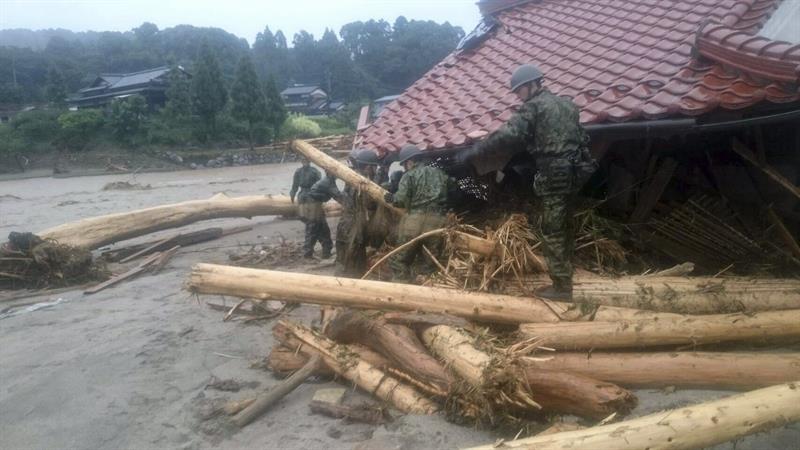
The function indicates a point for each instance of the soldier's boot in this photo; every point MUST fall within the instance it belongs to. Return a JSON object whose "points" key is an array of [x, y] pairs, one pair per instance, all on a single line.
{"points": [[561, 289]]}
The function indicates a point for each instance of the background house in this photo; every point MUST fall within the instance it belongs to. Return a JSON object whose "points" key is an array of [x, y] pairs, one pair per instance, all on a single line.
{"points": [[305, 99], [150, 84]]}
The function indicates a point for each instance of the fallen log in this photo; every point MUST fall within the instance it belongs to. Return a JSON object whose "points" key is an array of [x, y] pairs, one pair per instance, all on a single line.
{"points": [[696, 330], [690, 295], [96, 232], [464, 241], [346, 363], [508, 385], [346, 174], [397, 342], [269, 398], [368, 294], [691, 370], [693, 427]]}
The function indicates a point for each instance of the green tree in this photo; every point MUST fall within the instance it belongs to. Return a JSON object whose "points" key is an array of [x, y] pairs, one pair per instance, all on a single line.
{"points": [[209, 95], [179, 96], [127, 118], [56, 89], [78, 128], [247, 97], [276, 110]]}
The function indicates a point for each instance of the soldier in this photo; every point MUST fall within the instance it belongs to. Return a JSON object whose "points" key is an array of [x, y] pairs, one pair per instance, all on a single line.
{"points": [[304, 179], [548, 127], [352, 231], [317, 228], [423, 193]]}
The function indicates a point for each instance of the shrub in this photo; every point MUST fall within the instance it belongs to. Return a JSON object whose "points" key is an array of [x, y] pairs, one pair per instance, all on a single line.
{"points": [[38, 126], [79, 127], [300, 126]]}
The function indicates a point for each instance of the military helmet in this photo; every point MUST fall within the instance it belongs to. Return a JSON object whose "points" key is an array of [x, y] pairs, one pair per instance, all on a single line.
{"points": [[408, 151], [525, 74], [366, 157], [353, 155]]}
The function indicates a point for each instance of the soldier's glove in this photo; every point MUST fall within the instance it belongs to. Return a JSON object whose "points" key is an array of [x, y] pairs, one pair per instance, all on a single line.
{"points": [[388, 197]]}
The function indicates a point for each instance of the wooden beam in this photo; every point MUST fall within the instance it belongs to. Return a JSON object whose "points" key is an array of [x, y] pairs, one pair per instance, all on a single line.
{"points": [[784, 232], [748, 155], [653, 191]]}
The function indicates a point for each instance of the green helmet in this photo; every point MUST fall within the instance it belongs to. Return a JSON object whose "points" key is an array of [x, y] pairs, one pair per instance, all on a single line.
{"points": [[366, 157], [525, 74], [408, 151]]}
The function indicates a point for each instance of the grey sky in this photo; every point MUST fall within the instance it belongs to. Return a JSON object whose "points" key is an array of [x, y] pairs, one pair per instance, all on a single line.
{"points": [[243, 18]]}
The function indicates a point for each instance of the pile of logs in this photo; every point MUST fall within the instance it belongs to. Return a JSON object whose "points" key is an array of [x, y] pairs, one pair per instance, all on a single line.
{"points": [[488, 357]]}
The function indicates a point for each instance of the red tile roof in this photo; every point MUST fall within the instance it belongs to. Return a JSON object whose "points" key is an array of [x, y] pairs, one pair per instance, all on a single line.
{"points": [[619, 60]]}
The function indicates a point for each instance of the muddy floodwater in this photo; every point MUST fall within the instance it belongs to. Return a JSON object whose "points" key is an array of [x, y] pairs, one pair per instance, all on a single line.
{"points": [[136, 365]]}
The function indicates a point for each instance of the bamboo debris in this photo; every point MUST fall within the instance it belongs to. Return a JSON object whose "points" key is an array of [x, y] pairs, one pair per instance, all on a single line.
{"points": [[693, 427], [342, 360], [95, 232], [500, 381], [368, 294], [695, 330], [692, 370]]}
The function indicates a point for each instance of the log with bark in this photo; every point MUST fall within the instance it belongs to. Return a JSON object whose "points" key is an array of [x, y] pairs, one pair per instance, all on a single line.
{"points": [[346, 363], [502, 384], [397, 342], [692, 427], [368, 294], [691, 370], [690, 295], [96, 232], [764, 327]]}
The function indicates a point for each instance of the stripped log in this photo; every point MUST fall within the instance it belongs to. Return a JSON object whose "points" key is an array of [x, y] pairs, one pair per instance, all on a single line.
{"points": [[681, 295], [510, 386], [368, 294], [692, 370], [346, 363], [397, 342], [96, 232], [712, 329], [693, 427]]}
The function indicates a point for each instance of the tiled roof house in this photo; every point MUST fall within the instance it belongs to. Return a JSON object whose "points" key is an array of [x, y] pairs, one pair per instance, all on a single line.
{"points": [[151, 83], [621, 61]]}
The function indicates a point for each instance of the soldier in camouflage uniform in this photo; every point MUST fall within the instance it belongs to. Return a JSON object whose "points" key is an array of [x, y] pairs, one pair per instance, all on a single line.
{"points": [[309, 211], [422, 192], [357, 209], [548, 127], [317, 229]]}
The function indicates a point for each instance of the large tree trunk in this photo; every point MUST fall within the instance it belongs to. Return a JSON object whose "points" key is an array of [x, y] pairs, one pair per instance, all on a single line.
{"points": [[344, 173], [367, 294], [509, 386], [693, 370], [397, 342], [695, 295], [712, 329], [346, 363], [690, 428], [96, 232]]}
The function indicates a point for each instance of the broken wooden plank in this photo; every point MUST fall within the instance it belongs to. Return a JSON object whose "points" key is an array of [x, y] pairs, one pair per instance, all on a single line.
{"points": [[784, 232], [652, 192], [742, 150], [123, 276]]}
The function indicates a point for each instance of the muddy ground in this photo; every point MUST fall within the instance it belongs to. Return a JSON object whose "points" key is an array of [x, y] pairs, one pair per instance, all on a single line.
{"points": [[129, 367]]}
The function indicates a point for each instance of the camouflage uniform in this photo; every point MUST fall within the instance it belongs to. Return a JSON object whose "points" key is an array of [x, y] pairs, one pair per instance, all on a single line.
{"points": [[316, 225], [423, 193], [548, 127], [304, 178], [351, 234]]}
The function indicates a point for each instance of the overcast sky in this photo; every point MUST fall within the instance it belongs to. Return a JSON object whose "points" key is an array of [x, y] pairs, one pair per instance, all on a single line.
{"points": [[243, 18]]}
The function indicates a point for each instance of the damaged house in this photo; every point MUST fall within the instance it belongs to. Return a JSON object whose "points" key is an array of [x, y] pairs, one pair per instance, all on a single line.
{"points": [[692, 107]]}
